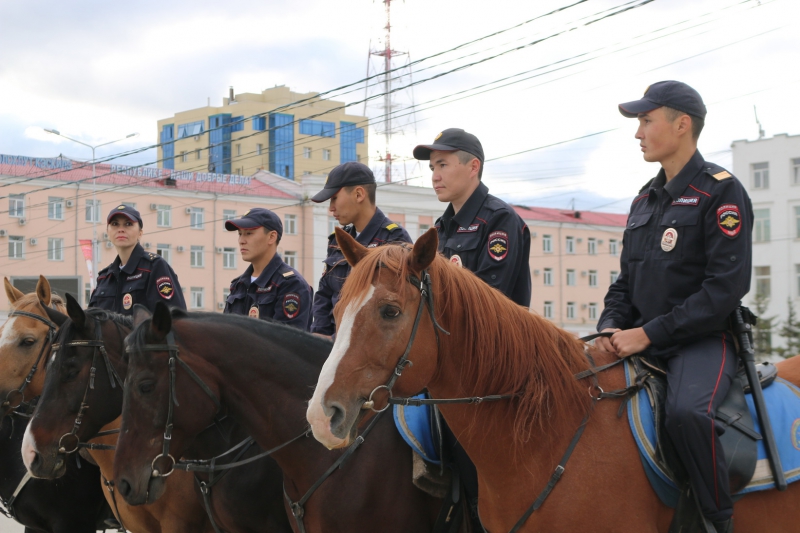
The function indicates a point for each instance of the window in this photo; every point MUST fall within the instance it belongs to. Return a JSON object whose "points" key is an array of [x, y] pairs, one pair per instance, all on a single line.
{"points": [[229, 258], [612, 246], [197, 154], [763, 286], [260, 149], [351, 136], [15, 245], [130, 204], [16, 205], [318, 128], [797, 221], [165, 251], [570, 310], [760, 175], [225, 293], [259, 123], [326, 155], [797, 273], [761, 230], [290, 258], [238, 149], [191, 129], [592, 311], [548, 310], [55, 208], [237, 123], [163, 216], [570, 276], [197, 298], [55, 249], [92, 210], [423, 228], [796, 171], [548, 276], [281, 144], [332, 224], [197, 257], [593, 278], [614, 275], [196, 217], [290, 224], [87, 293], [184, 157], [592, 246], [228, 214], [547, 244], [306, 152], [570, 245]]}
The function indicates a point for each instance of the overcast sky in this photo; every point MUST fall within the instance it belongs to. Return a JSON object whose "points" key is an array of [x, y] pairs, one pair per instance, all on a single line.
{"points": [[99, 70]]}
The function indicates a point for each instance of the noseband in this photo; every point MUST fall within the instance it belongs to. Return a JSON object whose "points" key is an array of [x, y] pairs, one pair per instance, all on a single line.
{"points": [[19, 393]]}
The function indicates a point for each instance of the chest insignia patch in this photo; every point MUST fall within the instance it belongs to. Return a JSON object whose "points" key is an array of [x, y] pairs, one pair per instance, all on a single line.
{"points": [[456, 260], [135, 276], [729, 220], [669, 239], [472, 228], [127, 301], [291, 305], [687, 200], [262, 290], [373, 244], [498, 245], [253, 312], [165, 288]]}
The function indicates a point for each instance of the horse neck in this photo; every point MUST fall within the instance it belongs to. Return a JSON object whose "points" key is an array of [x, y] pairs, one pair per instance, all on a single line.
{"points": [[11, 467]]}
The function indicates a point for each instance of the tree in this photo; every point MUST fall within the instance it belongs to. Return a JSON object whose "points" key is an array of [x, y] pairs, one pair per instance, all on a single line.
{"points": [[790, 330], [762, 332]]}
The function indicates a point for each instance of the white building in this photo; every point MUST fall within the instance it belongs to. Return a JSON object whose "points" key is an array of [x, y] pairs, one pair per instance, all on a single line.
{"points": [[770, 171]]}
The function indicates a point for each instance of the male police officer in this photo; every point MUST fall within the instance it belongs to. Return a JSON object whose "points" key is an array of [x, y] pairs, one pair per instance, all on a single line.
{"points": [[481, 233], [135, 276], [351, 189], [685, 266], [269, 288]]}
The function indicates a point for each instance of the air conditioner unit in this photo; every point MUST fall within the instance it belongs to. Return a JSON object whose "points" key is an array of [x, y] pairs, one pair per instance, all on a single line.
{"points": [[188, 210], [221, 305], [105, 236], [196, 137], [109, 244], [179, 249], [22, 221], [147, 245], [34, 241], [153, 207], [533, 235], [584, 306], [3, 233], [536, 272], [70, 203], [600, 241], [583, 273], [580, 240], [218, 250]]}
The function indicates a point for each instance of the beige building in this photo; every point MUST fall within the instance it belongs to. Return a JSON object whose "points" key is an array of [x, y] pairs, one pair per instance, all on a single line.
{"points": [[252, 132], [52, 206]]}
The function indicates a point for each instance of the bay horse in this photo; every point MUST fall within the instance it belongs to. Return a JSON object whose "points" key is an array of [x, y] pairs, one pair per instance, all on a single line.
{"points": [[75, 503], [256, 490], [262, 374], [495, 347]]}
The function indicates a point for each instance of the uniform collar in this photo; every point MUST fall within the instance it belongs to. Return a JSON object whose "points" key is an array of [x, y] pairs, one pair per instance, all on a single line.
{"points": [[266, 274], [372, 228], [133, 261], [678, 184], [470, 208]]}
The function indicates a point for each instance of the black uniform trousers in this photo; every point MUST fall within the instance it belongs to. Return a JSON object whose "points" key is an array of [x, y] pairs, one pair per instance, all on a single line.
{"points": [[467, 472], [699, 376]]}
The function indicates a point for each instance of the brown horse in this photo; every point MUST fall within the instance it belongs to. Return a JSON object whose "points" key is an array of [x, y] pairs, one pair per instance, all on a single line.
{"points": [[498, 347]]}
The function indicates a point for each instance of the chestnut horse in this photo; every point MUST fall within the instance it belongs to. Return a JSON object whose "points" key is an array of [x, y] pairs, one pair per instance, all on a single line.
{"points": [[496, 347], [262, 373], [75, 504], [256, 490]]}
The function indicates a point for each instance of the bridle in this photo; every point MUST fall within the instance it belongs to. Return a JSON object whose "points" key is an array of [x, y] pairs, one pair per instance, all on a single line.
{"points": [[20, 392]]}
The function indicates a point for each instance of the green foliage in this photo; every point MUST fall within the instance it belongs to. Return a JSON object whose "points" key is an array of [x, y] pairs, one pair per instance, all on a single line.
{"points": [[790, 330], [762, 332]]}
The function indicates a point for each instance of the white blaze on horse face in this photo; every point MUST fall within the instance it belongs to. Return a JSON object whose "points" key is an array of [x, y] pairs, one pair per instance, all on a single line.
{"points": [[320, 423], [9, 336], [28, 448]]}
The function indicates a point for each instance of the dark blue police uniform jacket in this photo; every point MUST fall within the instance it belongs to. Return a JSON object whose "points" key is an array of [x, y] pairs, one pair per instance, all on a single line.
{"points": [[145, 279], [490, 239], [380, 230], [681, 294], [279, 293]]}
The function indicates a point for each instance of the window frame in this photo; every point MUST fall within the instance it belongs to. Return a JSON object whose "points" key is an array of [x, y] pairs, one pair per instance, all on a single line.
{"points": [[229, 257], [547, 244], [197, 213], [760, 175], [290, 258], [55, 253], [55, 203], [547, 277], [571, 276], [290, 224], [195, 252], [16, 205], [18, 248], [163, 210]]}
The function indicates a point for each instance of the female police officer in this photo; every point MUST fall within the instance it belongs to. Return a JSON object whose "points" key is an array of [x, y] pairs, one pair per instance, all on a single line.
{"points": [[135, 276]]}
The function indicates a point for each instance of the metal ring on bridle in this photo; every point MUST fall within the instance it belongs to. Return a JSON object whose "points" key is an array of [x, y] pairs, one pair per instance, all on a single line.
{"points": [[7, 404], [156, 473], [600, 392], [370, 403], [63, 449]]}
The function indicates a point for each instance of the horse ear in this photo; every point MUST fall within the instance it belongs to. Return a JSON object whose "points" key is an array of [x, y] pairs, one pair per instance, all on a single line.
{"points": [[352, 250], [55, 316], [43, 290], [162, 320], [140, 314], [75, 312], [424, 251], [12, 292]]}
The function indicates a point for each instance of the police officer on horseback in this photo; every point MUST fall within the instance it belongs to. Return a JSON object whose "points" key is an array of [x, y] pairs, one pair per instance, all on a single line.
{"points": [[350, 187], [685, 266], [269, 289]]}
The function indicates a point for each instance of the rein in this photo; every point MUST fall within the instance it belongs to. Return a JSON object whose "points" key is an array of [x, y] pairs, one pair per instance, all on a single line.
{"points": [[20, 392]]}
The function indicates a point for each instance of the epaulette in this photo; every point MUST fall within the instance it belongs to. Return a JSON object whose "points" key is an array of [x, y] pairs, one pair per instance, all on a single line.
{"points": [[151, 256], [288, 274], [392, 226], [646, 186], [717, 172]]}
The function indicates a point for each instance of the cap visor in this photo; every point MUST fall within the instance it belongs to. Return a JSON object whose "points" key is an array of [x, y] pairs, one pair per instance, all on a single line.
{"points": [[124, 214], [240, 223], [324, 194], [632, 109], [423, 151]]}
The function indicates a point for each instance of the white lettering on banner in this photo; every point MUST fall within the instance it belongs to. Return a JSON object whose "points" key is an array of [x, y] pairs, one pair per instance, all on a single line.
{"points": [[40, 162]]}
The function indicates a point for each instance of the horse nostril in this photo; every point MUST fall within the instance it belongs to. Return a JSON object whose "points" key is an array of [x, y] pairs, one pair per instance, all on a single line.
{"points": [[338, 415], [124, 487], [35, 461]]}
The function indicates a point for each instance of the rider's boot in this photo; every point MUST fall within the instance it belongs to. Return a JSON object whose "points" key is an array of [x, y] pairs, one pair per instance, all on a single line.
{"points": [[726, 526]]}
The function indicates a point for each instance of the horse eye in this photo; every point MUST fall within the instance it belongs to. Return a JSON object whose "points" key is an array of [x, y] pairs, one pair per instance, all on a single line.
{"points": [[28, 341], [146, 387], [391, 311], [71, 372]]}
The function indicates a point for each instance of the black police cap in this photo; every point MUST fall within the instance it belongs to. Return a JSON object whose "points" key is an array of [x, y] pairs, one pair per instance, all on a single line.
{"points": [[256, 217], [128, 212], [674, 94], [451, 140], [344, 175]]}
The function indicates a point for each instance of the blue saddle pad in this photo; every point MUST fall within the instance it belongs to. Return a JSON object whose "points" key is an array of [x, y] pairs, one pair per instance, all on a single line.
{"points": [[414, 425], [783, 406]]}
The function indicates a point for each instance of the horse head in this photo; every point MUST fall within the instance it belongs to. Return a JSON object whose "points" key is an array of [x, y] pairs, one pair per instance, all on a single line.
{"points": [[380, 316], [81, 393]]}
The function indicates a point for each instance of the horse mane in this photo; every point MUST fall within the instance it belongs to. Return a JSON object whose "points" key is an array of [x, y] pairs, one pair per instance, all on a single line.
{"points": [[504, 347]]}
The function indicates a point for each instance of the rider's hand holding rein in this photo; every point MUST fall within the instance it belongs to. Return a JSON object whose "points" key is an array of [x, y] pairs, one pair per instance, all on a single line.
{"points": [[629, 342]]}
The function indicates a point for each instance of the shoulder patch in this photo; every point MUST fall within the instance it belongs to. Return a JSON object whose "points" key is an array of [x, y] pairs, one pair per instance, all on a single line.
{"points": [[288, 274], [291, 305], [719, 176], [729, 220], [392, 226], [498, 245], [165, 288]]}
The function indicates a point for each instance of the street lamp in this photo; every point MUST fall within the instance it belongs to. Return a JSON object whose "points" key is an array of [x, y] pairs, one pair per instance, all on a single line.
{"points": [[95, 253]]}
